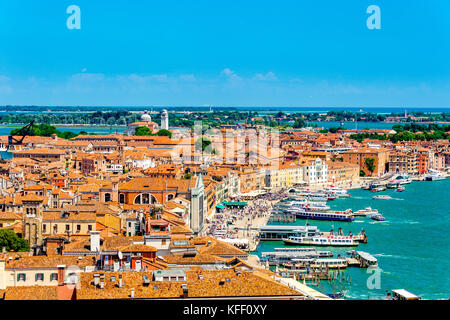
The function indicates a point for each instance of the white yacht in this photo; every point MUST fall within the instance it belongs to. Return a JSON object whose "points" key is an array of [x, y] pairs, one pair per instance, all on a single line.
{"points": [[434, 175], [365, 212], [337, 192]]}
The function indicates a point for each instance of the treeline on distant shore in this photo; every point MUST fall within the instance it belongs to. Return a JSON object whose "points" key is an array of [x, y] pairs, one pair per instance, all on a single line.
{"points": [[409, 132], [47, 130], [211, 119]]}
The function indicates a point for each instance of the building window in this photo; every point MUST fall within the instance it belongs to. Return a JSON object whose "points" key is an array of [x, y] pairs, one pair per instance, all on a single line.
{"points": [[67, 227], [122, 198], [21, 277], [54, 277], [107, 197], [44, 228], [39, 277], [90, 227], [78, 227]]}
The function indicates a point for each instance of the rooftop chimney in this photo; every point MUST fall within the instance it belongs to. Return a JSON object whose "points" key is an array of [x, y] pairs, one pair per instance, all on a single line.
{"points": [[132, 293], [120, 281], [185, 290], [96, 279], [61, 273], [95, 240], [102, 281]]}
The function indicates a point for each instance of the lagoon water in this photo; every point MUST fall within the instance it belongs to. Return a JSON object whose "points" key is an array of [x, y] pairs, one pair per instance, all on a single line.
{"points": [[412, 246]]}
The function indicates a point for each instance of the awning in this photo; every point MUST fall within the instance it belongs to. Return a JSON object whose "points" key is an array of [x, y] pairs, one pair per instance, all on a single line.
{"points": [[238, 204], [220, 207]]}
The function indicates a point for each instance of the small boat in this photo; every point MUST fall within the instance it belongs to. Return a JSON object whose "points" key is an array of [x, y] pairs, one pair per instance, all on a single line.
{"points": [[338, 295], [382, 197], [400, 189], [365, 212], [377, 217], [378, 189]]}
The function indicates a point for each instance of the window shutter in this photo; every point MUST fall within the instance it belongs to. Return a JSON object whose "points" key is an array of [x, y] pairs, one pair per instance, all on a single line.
{"points": [[18, 277], [36, 276]]}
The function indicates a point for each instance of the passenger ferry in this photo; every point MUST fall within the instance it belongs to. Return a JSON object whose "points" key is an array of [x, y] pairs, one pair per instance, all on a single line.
{"points": [[337, 192], [345, 216], [280, 232], [382, 197], [434, 175], [365, 212], [399, 180], [308, 195], [326, 241], [316, 206]]}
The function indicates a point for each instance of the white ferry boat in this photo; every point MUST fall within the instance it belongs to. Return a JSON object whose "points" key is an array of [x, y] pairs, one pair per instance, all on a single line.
{"points": [[325, 241], [434, 175], [280, 232], [399, 180], [313, 196], [365, 212], [304, 213], [315, 206], [337, 192]]}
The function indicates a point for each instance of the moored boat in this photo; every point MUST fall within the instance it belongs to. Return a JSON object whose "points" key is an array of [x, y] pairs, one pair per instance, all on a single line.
{"points": [[377, 217], [365, 212], [382, 197], [434, 175], [325, 241], [346, 216]]}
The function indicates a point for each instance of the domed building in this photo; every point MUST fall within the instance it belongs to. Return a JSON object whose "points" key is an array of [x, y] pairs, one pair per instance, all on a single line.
{"points": [[146, 121]]}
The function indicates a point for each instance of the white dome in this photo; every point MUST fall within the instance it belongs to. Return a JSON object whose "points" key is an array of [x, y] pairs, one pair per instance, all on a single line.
{"points": [[146, 117]]}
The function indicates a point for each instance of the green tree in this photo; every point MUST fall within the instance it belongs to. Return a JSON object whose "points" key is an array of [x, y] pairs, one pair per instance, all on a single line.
{"points": [[12, 242], [142, 131], [362, 173], [370, 164], [299, 123], [202, 143], [164, 132]]}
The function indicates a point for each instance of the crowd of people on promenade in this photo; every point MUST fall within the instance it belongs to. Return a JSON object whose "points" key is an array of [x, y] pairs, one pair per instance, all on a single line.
{"points": [[242, 222]]}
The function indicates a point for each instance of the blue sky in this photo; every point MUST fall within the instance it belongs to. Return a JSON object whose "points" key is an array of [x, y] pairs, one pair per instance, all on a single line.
{"points": [[230, 53]]}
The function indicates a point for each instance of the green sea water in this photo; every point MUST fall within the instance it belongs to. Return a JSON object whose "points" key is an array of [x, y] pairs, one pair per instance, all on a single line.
{"points": [[412, 245]]}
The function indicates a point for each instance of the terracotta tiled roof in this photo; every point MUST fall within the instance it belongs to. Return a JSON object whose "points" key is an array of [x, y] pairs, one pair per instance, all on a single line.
{"points": [[31, 293], [33, 262], [212, 283]]}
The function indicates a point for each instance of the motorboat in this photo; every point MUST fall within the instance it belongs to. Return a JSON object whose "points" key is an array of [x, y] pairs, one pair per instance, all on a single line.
{"points": [[377, 217], [365, 212], [382, 197]]}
